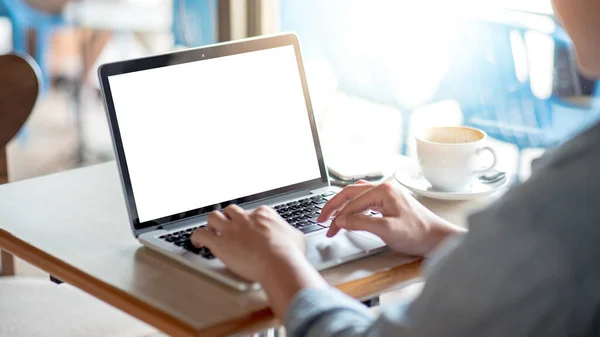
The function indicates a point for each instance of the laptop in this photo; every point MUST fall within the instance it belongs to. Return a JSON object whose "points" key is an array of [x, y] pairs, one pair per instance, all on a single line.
{"points": [[230, 123]]}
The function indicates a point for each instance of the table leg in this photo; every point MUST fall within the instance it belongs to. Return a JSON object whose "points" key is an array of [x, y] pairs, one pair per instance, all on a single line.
{"points": [[268, 333], [373, 302], [91, 46], [55, 280], [3, 166], [6, 260], [8, 264], [77, 99]]}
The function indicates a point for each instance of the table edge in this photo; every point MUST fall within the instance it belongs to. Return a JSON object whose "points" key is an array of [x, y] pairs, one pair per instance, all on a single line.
{"points": [[362, 288], [93, 286]]}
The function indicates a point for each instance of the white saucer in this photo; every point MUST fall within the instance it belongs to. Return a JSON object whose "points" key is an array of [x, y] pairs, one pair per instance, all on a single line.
{"points": [[412, 178]]}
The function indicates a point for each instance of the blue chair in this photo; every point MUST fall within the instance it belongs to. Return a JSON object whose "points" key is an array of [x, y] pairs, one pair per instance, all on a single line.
{"points": [[24, 18], [194, 22], [483, 80]]}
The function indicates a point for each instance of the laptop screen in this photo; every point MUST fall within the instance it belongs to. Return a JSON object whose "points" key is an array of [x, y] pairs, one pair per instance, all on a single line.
{"points": [[206, 132]]}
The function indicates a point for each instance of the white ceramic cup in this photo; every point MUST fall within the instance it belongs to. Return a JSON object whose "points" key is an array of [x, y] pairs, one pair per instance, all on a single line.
{"points": [[450, 157]]}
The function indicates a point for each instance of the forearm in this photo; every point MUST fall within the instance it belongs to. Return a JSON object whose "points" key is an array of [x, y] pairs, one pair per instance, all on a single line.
{"points": [[298, 294], [310, 307], [440, 231], [328, 312], [290, 274]]}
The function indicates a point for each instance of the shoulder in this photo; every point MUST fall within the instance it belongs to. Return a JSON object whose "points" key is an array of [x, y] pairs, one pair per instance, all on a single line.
{"points": [[561, 197], [524, 258], [554, 216]]}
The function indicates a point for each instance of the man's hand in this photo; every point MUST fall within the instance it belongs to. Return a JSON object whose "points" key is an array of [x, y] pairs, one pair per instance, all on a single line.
{"points": [[248, 243], [406, 226], [260, 246]]}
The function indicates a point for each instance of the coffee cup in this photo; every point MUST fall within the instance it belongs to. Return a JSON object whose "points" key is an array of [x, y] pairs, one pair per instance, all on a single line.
{"points": [[450, 157]]}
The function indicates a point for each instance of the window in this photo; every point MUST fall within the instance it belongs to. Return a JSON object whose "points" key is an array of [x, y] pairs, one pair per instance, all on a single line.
{"points": [[379, 71]]}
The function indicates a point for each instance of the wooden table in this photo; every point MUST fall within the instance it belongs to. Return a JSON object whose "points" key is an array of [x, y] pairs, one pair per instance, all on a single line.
{"points": [[74, 225]]}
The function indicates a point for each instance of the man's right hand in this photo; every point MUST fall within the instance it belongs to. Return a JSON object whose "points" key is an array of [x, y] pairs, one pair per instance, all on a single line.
{"points": [[406, 226]]}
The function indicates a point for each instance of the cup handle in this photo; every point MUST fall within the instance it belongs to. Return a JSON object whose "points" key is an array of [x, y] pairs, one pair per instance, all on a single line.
{"points": [[479, 151]]}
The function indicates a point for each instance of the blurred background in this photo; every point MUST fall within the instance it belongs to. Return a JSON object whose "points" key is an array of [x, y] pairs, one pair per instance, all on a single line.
{"points": [[378, 70]]}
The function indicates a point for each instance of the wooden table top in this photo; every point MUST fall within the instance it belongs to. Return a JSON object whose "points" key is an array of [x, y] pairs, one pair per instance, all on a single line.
{"points": [[74, 225]]}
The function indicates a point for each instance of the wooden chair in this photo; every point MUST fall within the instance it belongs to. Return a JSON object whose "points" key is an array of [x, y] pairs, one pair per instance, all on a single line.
{"points": [[20, 85], [34, 306]]}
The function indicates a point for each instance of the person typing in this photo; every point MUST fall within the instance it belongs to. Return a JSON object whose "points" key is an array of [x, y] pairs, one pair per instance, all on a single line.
{"points": [[527, 266]]}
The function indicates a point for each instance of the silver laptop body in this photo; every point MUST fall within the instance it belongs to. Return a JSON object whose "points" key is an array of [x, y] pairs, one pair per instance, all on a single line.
{"points": [[231, 123]]}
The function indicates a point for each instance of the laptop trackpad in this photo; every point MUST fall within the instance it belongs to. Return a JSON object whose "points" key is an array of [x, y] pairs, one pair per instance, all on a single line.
{"points": [[324, 252]]}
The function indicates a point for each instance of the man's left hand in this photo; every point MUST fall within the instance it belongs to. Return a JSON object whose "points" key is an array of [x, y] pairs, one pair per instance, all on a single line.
{"points": [[251, 243]]}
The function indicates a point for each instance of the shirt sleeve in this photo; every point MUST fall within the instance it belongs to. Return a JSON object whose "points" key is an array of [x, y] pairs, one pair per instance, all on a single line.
{"points": [[501, 279], [326, 312]]}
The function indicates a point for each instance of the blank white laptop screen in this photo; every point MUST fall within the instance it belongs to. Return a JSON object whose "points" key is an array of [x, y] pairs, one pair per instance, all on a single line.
{"points": [[201, 133]]}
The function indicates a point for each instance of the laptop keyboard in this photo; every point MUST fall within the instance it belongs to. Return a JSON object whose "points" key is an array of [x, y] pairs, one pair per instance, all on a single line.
{"points": [[182, 239], [301, 214]]}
